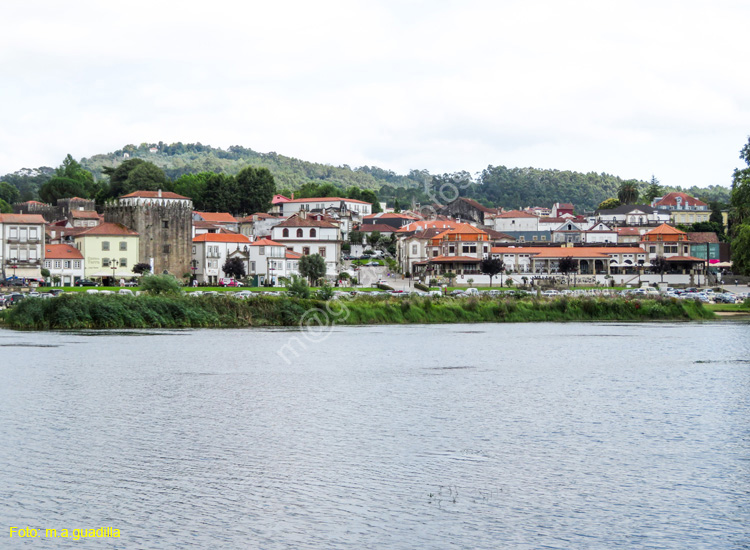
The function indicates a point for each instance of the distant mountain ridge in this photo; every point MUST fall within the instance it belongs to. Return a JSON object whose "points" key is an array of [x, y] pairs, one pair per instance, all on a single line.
{"points": [[494, 186]]}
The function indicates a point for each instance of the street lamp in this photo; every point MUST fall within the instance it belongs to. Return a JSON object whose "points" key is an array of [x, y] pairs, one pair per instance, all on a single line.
{"points": [[194, 267], [114, 264]]}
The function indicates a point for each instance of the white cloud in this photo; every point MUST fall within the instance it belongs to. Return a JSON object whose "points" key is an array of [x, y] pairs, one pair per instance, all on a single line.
{"points": [[628, 88]]}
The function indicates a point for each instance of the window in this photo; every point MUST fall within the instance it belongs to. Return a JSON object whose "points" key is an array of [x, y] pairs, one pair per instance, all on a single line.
{"points": [[105, 245], [252, 267], [66, 264], [123, 245], [652, 250], [123, 262], [165, 249], [105, 262], [23, 232], [285, 232], [47, 264], [57, 264], [193, 249], [165, 224], [313, 233], [322, 251], [299, 233], [533, 238], [77, 264], [305, 250], [32, 233], [434, 253], [544, 237], [262, 250], [521, 239], [32, 254], [24, 254], [414, 249], [13, 233]]}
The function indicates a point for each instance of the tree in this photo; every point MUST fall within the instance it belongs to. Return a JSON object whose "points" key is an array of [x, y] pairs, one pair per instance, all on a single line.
{"points": [[220, 194], [255, 190], [71, 168], [298, 287], [368, 195], [5, 208], [396, 206], [134, 175], [193, 186], [450, 276], [234, 267], [161, 284], [9, 193], [741, 250], [740, 197], [313, 267], [567, 265], [660, 265], [141, 268], [61, 187], [355, 237], [628, 192], [373, 238], [653, 191], [609, 204], [491, 267]]}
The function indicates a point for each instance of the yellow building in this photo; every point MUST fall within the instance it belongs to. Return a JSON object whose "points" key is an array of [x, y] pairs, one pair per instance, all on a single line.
{"points": [[109, 250]]}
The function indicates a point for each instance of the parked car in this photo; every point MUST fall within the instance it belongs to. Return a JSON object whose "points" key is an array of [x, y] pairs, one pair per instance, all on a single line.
{"points": [[86, 282], [13, 298], [125, 292], [471, 292], [229, 282]]}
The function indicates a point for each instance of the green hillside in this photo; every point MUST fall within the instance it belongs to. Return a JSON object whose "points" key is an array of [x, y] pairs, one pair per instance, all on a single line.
{"points": [[495, 186]]}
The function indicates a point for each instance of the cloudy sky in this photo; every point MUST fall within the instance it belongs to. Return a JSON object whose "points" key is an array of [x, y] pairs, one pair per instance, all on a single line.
{"points": [[630, 88]]}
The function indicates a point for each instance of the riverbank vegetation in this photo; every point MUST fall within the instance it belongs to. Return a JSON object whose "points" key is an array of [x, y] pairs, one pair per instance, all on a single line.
{"points": [[91, 311]]}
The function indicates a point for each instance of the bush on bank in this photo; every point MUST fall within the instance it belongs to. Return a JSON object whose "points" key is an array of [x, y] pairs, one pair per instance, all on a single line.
{"points": [[92, 311]]}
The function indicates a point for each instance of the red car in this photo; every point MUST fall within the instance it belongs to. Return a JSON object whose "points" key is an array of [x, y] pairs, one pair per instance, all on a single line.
{"points": [[229, 282]]}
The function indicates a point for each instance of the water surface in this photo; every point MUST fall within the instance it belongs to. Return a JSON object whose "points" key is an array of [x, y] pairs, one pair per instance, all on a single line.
{"points": [[453, 436]]}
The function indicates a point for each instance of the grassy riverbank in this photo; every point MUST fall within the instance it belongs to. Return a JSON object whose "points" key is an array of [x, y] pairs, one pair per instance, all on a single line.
{"points": [[87, 311]]}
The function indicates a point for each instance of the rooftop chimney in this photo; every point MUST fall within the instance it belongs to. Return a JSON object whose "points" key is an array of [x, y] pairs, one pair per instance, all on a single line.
{"points": [[159, 193]]}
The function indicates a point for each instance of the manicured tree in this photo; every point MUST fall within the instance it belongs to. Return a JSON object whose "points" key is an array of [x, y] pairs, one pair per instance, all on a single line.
{"points": [[567, 265], [660, 265], [313, 267], [234, 267], [491, 267]]}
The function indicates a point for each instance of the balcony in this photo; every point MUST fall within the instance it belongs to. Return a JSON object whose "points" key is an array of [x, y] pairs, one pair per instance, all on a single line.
{"points": [[23, 263]]}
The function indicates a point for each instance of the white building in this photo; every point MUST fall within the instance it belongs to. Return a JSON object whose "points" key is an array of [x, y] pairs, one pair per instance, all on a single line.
{"points": [[515, 220], [21, 245], [358, 209], [305, 235], [64, 261], [270, 261], [210, 253]]}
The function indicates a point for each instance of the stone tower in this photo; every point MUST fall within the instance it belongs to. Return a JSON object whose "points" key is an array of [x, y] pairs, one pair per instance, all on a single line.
{"points": [[165, 223]]}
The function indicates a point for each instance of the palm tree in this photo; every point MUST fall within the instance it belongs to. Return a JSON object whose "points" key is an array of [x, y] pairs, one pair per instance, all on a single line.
{"points": [[628, 192]]}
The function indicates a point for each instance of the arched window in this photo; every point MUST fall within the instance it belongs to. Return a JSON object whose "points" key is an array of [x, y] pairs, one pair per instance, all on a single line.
{"points": [[312, 233], [299, 233], [285, 233]]}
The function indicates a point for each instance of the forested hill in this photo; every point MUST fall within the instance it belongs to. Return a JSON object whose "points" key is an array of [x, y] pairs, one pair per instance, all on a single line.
{"points": [[495, 186]]}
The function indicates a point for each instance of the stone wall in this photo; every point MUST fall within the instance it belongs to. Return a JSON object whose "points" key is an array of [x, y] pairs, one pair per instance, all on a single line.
{"points": [[165, 231]]}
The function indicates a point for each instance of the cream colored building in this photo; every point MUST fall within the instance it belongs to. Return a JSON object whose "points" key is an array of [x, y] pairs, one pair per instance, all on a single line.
{"points": [[21, 245], [108, 246]]}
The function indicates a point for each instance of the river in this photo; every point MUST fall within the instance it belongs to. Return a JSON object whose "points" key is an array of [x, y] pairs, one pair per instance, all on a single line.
{"points": [[520, 436]]}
